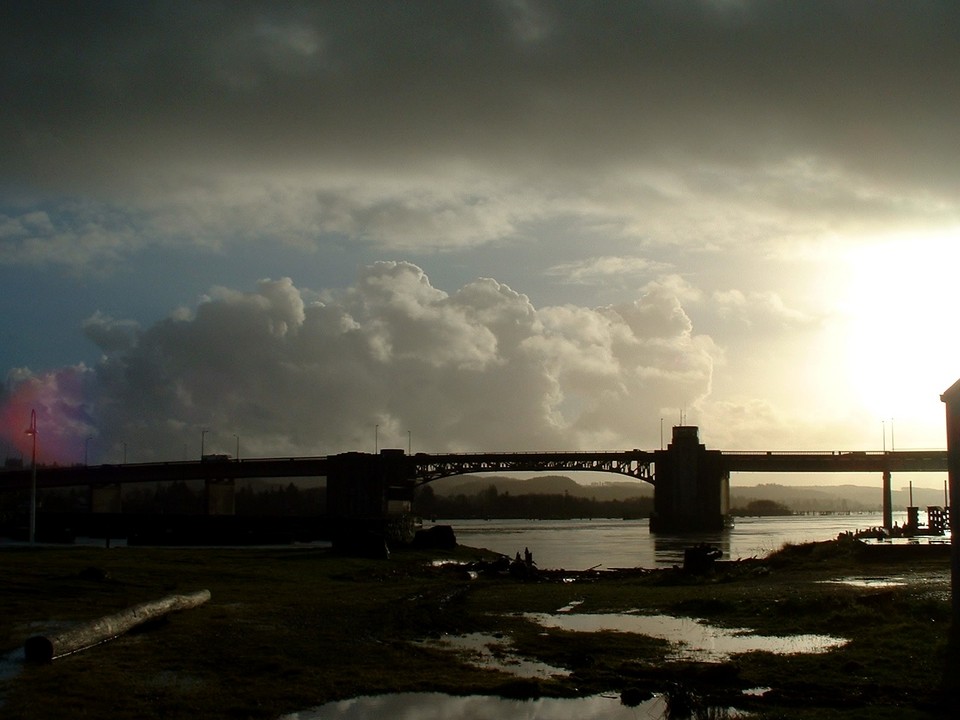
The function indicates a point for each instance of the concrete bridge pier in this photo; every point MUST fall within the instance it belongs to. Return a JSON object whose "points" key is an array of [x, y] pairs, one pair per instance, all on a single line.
{"points": [[105, 498], [221, 496], [691, 488], [368, 497], [887, 501]]}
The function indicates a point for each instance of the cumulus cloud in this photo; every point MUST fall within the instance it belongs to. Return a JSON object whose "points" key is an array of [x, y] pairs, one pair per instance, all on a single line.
{"points": [[479, 368], [111, 335]]}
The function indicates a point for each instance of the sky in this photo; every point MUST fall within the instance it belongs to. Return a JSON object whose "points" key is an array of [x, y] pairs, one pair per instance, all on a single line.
{"points": [[300, 228]]}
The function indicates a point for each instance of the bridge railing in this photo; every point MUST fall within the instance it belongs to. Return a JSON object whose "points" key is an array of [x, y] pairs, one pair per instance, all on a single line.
{"points": [[840, 453], [828, 453]]}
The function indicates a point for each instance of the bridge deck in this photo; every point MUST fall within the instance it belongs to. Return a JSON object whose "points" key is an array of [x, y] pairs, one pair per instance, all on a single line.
{"points": [[425, 467], [814, 462]]}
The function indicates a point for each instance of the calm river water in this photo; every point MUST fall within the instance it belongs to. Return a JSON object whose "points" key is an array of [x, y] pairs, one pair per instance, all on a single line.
{"points": [[582, 544]]}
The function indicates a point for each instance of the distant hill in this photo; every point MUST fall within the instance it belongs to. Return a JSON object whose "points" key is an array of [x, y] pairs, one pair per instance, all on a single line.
{"points": [[821, 498], [541, 485], [803, 498]]}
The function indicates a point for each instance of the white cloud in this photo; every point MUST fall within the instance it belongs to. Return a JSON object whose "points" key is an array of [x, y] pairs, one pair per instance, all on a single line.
{"points": [[607, 268], [481, 368], [755, 309]]}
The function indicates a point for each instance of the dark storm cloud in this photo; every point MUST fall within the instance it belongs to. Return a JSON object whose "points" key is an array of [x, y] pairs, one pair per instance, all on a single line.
{"points": [[106, 91]]}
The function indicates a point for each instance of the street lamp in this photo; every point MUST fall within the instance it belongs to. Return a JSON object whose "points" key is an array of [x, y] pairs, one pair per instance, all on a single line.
{"points": [[203, 434], [237, 456], [32, 431], [86, 449], [376, 438]]}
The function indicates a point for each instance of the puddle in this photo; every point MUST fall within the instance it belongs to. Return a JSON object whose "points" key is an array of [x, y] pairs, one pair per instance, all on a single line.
{"points": [[495, 653], [437, 706], [439, 563], [572, 605], [692, 640], [869, 582]]}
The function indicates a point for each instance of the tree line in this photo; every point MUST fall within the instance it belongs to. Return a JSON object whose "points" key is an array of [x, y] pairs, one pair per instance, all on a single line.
{"points": [[180, 498], [175, 498], [490, 503]]}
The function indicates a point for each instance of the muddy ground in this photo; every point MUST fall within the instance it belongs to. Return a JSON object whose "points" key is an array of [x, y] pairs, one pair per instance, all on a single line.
{"points": [[289, 629]]}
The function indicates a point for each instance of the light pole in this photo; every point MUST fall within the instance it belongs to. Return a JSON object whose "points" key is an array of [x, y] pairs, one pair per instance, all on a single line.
{"points": [[237, 456], [376, 439], [203, 434], [409, 442], [124, 453], [86, 449], [32, 431]]}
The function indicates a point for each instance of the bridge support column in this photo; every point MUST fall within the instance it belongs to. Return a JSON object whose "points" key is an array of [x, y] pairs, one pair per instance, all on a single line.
{"points": [[369, 499], [887, 501], [692, 488], [221, 496], [105, 498]]}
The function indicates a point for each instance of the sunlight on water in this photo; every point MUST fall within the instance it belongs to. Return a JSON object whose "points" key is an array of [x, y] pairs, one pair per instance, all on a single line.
{"points": [[869, 582], [437, 706], [692, 640]]}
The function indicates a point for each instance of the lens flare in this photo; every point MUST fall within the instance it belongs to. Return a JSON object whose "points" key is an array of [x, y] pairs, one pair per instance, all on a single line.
{"points": [[64, 418]]}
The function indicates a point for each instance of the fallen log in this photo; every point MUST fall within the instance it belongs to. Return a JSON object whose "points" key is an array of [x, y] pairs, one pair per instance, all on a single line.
{"points": [[44, 648]]}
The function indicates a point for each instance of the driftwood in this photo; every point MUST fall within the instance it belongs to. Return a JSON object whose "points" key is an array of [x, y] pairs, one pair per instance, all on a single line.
{"points": [[44, 648]]}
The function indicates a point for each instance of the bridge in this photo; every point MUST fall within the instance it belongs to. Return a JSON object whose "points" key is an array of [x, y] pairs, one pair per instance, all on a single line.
{"points": [[691, 483]]}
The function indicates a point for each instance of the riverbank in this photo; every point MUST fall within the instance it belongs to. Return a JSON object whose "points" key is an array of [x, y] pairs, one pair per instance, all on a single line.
{"points": [[291, 628]]}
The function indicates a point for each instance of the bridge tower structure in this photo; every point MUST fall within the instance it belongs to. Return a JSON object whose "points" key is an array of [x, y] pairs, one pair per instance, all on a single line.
{"points": [[692, 486], [368, 494]]}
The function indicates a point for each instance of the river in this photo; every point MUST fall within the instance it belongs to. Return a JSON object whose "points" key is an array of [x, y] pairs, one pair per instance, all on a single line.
{"points": [[609, 543]]}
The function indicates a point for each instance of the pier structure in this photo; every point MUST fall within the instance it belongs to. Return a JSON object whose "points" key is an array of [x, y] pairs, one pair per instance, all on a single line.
{"points": [[692, 486]]}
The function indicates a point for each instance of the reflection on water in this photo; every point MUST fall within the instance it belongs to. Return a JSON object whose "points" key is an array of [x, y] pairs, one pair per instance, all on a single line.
{"points": [[869, 582], [436, 706], [610, 543], [692, 640], [669, 549], [495, 653]]}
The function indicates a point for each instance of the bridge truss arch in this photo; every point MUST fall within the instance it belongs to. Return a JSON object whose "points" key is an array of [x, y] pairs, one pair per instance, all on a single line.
{"points": [[631, 463]]}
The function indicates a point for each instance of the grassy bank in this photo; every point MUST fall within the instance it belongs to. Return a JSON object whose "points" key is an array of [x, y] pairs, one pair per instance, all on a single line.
{"points": [[288, 629]]}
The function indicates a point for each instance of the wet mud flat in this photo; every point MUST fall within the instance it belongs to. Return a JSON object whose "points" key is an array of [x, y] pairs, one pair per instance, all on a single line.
{"points": [[820, 630]]}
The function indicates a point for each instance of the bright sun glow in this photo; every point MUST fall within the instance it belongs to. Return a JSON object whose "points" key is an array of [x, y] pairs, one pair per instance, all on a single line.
{"points": [[903, 344]]}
